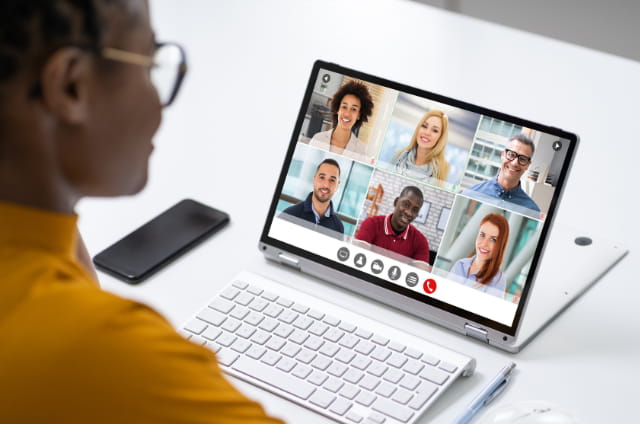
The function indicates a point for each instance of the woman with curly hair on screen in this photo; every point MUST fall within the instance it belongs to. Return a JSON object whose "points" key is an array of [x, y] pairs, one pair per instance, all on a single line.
{"points": [[351, 106]]}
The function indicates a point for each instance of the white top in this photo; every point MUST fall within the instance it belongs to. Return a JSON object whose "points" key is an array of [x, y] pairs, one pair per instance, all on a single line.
{"points": [[355, 148]]}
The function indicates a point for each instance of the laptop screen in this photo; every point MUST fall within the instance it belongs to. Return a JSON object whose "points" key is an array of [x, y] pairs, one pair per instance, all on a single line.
{"points": [[433, 198]]}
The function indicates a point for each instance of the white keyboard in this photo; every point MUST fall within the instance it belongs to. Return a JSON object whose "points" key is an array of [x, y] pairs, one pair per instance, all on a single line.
{"points": [[326, 358]]}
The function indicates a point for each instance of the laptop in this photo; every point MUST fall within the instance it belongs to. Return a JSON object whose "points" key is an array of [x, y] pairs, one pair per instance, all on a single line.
{"points": [[422, 213]]}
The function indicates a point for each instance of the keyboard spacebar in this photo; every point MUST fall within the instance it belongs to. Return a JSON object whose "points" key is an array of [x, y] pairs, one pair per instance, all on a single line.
{"points": [[273, 377]]}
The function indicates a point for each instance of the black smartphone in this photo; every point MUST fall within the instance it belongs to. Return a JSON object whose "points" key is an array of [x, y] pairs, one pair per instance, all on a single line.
{"points": [[155, 244]]}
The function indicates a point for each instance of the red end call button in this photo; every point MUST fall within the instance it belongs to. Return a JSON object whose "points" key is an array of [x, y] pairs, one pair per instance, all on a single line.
{"points": [[429, 286]]}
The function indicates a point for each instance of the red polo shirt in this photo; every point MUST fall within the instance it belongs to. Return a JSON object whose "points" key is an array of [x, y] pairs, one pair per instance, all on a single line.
{"points": [[411, 243]]}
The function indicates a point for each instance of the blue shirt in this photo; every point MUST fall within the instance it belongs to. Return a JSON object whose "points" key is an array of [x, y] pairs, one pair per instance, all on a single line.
{"points": [[495, 287], [492, 189]]}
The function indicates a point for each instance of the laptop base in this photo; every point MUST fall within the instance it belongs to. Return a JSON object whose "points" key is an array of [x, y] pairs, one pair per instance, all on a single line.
{"points": [[559, 283]]}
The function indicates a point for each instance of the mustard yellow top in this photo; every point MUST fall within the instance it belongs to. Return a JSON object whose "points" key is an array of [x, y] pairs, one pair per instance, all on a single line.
{"points": [[72, 353]]}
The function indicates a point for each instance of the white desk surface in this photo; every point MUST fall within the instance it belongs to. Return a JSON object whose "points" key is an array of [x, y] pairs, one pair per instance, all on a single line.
{"points": [[223, 141]]}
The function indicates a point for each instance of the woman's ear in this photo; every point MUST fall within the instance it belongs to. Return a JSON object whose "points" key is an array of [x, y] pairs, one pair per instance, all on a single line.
{"points": [[65, 81]]}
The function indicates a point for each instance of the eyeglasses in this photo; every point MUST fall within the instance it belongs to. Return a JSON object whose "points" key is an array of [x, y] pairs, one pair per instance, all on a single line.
{"points": [[168, 67], [511, 155]]}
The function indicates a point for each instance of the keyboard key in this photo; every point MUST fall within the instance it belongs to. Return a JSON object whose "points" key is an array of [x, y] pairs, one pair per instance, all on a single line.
{"points": [[396, 360], [258, 304], [231, 325], [340, 406], [301, 309], [345, 356], [240, 345], [362, 333], [365, 398], [222, 305], [226, 339], [349, 341], [274, 378], [313, 343], [260, 337], [286, 364], [382, 341], [271, 297], [254, 290], [283, 330], [299, 336], [337, 369], [361, 362], [315, 314], [333, 385], [211, 333], [427, 390], [284, 302], [245, 331], [410, 382], [275, 343], [413, 367], [450, 368], [321, 362], [256, 352], [290, 349], [305, 356], [270, 358], [435, 375], [226, 357], [385, 389], [301, 371], [393, 376], [273, 311], [329, 349], [353, 416], [381, 354], [288, 317], [369, 382], [268, 325], [391, 409], [349, 328], [377, 369], [413, 353], [322, 398], [349, 391], [333, 335], [195, 326], [244, 299], [303, 322], [212, 317], [376, 418], [365, 347], [353, 376], [431, 360], [239, 312], [240, 284], [317, 378], [397, 347], [402, 396], [318, 328], [253, 318], [332, 321]]}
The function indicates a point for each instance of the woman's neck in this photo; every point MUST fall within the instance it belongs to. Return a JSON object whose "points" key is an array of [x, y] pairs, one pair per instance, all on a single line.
{"points": [[340, 137], [422, 156]]}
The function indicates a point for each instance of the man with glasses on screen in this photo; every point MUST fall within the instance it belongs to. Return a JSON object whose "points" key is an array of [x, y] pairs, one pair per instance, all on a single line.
{"points": [[82, 86], [506, 186]]}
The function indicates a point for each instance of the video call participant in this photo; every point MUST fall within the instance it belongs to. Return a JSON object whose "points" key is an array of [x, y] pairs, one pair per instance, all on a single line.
{"points": [[317, 208], [423, 159], [395, 232], [516, 159], [482, 269], [77, 122], [351, 106]]}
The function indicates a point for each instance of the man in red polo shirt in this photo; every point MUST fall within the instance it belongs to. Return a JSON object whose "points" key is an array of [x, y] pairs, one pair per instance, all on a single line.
{"points": [[394, 232]]}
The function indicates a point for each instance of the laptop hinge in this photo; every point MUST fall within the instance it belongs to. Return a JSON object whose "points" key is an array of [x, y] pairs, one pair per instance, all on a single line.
{"points": [[286, 260], [476, 333]]}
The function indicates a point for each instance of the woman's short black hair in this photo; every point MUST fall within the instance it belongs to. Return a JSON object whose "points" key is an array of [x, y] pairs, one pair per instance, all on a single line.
{"points": [[30, 30], [359, 90]]}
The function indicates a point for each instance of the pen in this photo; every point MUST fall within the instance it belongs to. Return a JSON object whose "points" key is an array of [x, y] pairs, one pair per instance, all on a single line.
{"points": [[493, 389]]}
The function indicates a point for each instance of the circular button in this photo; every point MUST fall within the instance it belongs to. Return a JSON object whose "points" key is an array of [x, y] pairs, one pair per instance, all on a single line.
{"points": [[360, 260], [412, 279], [377, 266], [394, 273], [343, 254], [429, 286]]}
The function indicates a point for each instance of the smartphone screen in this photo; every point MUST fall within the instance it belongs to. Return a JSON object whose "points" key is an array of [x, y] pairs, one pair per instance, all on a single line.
{"points": [[161, 240]]}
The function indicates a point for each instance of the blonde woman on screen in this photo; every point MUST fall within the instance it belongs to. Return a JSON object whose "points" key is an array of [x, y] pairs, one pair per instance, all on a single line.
{"points": [[423, 158]]}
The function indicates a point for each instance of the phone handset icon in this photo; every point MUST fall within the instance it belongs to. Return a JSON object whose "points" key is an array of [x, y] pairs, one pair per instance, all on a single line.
{"points": [[430, 286]]}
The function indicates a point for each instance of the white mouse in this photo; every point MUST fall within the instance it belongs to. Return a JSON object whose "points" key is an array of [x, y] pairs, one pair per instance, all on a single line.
{"points": [[528, 412]]}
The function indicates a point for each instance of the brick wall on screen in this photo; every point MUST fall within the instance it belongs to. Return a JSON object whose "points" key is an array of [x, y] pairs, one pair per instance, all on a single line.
{"points": [[392, 184]]}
